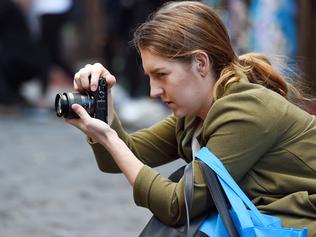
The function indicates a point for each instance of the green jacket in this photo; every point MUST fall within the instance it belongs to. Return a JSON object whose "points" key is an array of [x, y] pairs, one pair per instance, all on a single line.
{"points": [[267, 144]]}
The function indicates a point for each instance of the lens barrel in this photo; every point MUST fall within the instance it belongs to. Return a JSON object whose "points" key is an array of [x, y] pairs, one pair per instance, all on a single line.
{"points": [[64, 101]]}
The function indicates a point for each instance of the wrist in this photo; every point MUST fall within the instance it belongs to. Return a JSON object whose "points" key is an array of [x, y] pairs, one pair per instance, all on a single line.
{"points": [[110, 140]]}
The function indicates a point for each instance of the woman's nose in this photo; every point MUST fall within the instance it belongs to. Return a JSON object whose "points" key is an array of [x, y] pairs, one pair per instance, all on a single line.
{"points": [[155, 89]]}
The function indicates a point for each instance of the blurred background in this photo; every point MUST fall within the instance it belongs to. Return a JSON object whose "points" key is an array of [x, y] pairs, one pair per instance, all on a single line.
{"points": [[49, 182]]}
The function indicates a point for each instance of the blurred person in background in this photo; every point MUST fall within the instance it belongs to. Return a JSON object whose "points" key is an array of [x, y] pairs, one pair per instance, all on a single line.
{"points": [[47, 19], [121, 18], [20, 58], [240, 108], [132, 103], [30, 48]]}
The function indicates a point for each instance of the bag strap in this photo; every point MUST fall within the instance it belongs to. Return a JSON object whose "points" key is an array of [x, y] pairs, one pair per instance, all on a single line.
{"points": [[215, 164], [219, 199], [188, 194], [186, 172]]}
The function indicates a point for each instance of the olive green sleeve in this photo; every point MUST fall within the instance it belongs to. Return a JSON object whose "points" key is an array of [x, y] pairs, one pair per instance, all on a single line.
{"points": [[103, 158], [166, 198], [154, 146]]}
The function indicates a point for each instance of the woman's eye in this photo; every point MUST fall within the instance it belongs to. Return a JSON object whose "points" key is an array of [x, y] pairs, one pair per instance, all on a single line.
{"points": [[161, 74]]}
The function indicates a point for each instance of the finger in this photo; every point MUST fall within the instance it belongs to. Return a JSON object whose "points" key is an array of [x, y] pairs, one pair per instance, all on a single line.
{"points": [[110, 80], [101, 71], [77, 83], [76, 123], [84, 76], [80, 111], [95, 75]]}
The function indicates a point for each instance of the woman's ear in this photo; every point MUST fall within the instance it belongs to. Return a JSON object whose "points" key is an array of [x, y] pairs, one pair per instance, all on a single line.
{"points": [[202, 63]]}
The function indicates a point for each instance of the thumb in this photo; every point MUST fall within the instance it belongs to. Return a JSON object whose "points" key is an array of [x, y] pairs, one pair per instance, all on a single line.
{"points": [[80, 111]]}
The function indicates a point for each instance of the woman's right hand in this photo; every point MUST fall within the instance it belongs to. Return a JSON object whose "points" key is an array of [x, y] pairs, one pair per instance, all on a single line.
{"points": [[87, 78]]}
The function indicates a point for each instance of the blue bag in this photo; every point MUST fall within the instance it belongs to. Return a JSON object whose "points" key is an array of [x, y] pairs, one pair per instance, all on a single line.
{"points": [[248, 221]]}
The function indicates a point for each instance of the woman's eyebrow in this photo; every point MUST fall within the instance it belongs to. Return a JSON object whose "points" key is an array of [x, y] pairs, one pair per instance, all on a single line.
{"points": [[155, 70]]}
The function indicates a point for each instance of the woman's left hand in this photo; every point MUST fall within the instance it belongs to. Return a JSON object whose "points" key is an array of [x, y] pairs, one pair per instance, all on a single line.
{"points": [[96, 129]]}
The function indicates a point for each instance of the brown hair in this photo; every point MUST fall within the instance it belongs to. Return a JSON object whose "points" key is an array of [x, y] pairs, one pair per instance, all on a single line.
{"points": [[179, 29]]}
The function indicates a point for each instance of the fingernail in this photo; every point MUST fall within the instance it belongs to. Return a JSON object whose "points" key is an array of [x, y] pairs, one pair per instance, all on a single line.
{"points": [[93, 87]]}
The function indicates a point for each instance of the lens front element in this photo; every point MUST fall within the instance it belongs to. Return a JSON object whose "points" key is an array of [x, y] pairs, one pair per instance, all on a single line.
{"points": [[63, 103]]}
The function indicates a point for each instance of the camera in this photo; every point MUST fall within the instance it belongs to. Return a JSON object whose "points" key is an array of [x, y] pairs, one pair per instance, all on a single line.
{"points": [[95, 103]]}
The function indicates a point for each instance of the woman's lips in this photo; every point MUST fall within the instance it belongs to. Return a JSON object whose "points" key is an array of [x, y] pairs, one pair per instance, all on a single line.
{"points": [[169, 103]]}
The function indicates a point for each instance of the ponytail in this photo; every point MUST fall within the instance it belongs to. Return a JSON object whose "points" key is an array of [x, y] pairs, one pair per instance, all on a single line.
{"points": [[258, 70], [261, 72]]}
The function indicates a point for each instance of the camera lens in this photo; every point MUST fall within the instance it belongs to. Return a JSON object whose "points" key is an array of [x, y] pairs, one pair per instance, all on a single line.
{"points": [[63, 103], [60, 104]]}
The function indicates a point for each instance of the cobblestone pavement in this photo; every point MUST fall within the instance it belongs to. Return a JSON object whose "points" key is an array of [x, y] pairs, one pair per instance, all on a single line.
{"points": [[50, 185]]}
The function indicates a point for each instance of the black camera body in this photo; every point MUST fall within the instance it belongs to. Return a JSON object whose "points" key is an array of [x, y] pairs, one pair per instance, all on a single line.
{"points": [[95, 103]]}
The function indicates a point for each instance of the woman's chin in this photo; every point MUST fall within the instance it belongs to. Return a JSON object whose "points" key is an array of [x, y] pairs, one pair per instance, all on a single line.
{"points": [[178, 114]]}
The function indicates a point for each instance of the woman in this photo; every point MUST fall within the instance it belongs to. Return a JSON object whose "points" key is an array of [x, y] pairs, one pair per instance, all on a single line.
{"points": [[238, 107]]}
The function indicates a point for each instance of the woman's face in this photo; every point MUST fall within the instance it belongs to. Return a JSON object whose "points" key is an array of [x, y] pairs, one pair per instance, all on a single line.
{"points": [[179, 85]]}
